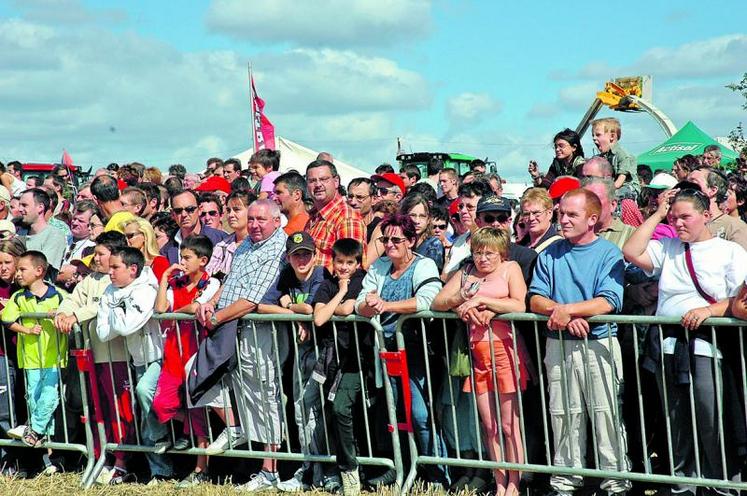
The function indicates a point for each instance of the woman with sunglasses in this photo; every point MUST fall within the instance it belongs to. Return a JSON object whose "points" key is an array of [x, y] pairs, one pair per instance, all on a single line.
{"points": [[497, 285], [536, 213], [698, 275], [417, 208], [403, 282], [140, 235]]}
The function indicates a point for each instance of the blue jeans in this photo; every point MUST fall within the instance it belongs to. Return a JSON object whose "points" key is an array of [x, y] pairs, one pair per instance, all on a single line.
{"points": [[430, 442], [151, 429], [42, 398]]}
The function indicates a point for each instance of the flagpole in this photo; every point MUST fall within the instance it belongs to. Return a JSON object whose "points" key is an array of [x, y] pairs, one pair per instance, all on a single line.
{"points": [[254, 110]]}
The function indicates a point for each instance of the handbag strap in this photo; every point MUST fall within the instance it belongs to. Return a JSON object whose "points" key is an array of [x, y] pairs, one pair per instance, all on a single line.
{"points": [[694, 277]]}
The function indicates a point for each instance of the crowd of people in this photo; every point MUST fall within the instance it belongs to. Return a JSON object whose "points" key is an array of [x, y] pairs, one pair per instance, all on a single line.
{"points": [[595, 235]]}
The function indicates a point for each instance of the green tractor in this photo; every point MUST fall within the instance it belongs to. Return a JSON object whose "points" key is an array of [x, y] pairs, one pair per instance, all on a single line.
{"points": [[457, 161]]}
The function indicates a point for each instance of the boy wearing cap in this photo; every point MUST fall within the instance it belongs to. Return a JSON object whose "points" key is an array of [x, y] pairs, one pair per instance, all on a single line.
{"points": [[295, 288]]}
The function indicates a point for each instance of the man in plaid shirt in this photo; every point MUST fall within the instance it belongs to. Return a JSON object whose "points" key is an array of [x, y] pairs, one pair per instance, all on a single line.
{"points": [[255, 381], [334, 218]]}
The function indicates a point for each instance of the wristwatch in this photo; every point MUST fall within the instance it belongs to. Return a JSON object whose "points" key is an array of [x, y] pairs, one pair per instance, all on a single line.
{"points": [[214, 320]]}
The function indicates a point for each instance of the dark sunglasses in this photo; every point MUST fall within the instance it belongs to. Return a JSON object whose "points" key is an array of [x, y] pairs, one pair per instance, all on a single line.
{"points": [[394, 239], [440, 226], [488, 218], [132, 235], [385, 191], [211, 213], [180, 210]]}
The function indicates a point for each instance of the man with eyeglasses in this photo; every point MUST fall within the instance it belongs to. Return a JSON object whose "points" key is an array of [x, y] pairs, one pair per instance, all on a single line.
{"points": [[184, 211], [469, 196], [361, 192], [211, 211], [627, 208], [334, 219], [389, 186]]}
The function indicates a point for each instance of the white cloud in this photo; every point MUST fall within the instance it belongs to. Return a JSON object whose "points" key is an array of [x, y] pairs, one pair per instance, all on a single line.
{"points": [[471, 108], [109, 96], [325, 81], [714, 57], [325, 23]]}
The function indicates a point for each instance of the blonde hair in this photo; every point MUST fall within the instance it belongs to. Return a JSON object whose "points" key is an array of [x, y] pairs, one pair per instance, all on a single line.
{"points": [[150, 246], [608, 125], [536, 195], [152, 175], [493, 238]]}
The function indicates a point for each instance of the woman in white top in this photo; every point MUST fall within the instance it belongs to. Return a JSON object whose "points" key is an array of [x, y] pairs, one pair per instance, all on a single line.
{"points": [[698, 274]]}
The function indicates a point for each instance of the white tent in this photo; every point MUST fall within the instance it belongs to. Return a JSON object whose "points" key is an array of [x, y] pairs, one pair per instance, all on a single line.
{"points": [[295, 156]]}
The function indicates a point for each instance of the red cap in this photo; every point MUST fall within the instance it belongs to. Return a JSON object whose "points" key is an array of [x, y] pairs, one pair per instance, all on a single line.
{"points": [[563, 185], [121, 184], [393, 178], [454, 207], [214, 183]]}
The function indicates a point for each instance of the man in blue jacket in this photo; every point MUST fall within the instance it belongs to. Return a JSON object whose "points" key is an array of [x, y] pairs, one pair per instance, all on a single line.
{"points": [[184, 210]]}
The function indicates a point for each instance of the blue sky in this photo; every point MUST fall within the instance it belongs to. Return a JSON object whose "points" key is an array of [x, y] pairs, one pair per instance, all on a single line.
{"points": [[165, 82]]}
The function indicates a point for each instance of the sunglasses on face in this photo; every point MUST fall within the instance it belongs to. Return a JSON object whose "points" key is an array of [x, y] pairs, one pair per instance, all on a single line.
{"points": [[211, 213], [440, 226], [180, 210], [488, 218], [132, 235], [394, 239], [384, 191]]}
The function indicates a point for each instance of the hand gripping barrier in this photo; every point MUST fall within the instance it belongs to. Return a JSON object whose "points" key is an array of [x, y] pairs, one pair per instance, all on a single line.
{"points": [[684, 428], [311, 405]]}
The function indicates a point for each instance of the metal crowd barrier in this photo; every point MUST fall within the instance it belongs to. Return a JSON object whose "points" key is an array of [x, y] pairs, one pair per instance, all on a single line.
{"points": [[67, 439], [435, 330], [256, 324], [638, 412]]}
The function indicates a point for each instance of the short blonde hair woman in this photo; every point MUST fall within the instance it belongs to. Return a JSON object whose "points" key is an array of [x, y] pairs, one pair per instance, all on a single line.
{"points": [[140, 235]]}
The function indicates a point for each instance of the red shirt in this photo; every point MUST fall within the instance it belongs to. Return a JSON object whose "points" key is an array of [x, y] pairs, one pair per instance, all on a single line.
{"points": [[335, 220], [159, 266]]}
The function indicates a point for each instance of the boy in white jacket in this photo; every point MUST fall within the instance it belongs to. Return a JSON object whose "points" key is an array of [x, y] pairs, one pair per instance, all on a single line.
{"points": [[126, 309], [112, 375]]}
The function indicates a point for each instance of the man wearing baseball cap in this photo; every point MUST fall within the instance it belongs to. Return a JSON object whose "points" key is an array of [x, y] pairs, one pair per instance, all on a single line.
{"points": [[389, 186]]}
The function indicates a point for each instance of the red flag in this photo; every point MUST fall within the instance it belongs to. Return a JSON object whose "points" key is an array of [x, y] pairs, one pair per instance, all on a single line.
{"points": [[67, 160], [264, 131]]}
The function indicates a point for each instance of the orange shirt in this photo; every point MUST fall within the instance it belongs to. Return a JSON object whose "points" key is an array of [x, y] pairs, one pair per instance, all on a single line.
{"points": [[296, 224]]}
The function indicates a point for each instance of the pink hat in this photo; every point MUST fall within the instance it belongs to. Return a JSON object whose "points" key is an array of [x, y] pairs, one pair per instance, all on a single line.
{"points": [[563, 185]]}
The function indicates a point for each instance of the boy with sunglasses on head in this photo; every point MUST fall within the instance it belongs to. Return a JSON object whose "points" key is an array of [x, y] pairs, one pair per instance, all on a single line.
{"points": [[295, 289]]}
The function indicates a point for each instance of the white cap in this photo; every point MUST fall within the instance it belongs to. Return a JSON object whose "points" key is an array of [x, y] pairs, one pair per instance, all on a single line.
{"points": [[662, 180]]}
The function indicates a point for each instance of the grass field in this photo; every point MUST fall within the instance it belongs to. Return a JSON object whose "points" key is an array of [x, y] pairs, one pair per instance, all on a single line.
{"points": [[67, 485]]}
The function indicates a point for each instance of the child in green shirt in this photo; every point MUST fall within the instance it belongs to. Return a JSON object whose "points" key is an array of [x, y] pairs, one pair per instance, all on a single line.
{"points": [[42, 351]]}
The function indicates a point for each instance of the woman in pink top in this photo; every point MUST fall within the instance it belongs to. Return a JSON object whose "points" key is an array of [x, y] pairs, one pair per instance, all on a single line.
{"points": [[492, 285]]}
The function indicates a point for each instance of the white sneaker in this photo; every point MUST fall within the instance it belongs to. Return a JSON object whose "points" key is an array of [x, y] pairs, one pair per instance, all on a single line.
{"points": [[332, 484], [225, 441], [294, 484], [105, 476], [16, 432], [260, 482], [351, 483]]}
